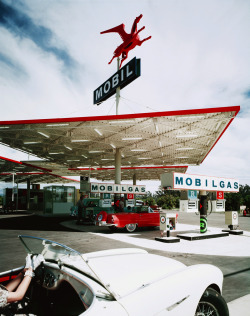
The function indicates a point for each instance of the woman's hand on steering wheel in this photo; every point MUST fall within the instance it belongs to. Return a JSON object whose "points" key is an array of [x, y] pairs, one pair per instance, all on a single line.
{"points": [[36, 261]]}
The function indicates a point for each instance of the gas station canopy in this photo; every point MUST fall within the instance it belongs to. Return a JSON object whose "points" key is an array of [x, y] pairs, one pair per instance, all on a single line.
{"points": [[150, 143], [23, 171]]}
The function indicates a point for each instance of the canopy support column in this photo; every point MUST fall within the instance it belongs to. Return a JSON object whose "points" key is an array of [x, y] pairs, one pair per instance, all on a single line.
{"points": [[16, 195], [28, 194], [13, 187], [134, 179], [118, 159]]}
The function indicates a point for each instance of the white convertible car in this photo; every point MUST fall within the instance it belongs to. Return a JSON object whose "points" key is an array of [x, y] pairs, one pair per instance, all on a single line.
{"points": [[117, 282]]}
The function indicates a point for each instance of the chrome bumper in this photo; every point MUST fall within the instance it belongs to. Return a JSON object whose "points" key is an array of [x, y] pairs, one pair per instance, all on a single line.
{"points": [[103, 223]]}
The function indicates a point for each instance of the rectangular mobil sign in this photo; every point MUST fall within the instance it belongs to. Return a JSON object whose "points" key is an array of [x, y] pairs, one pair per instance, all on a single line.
{"points": [[117, 188], [183, 181], [121, 78]]}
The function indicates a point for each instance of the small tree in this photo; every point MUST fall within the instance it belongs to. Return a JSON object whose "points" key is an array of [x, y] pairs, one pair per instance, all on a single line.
{"points": [[148, 198], [247, 201], [232, 201], [150, 201], [167, 201]]}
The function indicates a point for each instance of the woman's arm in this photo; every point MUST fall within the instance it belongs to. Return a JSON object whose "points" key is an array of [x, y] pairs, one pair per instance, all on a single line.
{"points": [[22, 288], [13, 284]]}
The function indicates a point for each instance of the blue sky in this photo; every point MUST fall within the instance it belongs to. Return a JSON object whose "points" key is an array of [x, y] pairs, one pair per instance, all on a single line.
{"points": [[52, 58]]}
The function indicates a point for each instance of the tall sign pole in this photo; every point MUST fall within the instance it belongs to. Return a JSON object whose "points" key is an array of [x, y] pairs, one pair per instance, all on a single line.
{"points": [[123, 76], [118, 89], [118, 157]]}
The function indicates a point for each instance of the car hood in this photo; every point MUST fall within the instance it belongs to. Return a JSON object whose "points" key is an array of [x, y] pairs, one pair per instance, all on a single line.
{"points": [[120, 271]]}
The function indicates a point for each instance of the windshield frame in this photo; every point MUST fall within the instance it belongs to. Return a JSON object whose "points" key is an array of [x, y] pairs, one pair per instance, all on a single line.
{"points": [[55, 254], [22, 237]]}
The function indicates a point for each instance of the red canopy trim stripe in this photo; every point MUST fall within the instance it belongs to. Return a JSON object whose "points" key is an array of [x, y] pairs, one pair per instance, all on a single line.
{"points": [[36, 174], [24, 164], [235, 109]]}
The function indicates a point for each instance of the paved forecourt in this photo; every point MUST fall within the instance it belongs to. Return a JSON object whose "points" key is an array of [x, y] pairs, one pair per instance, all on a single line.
{"points": [[230, 254]]}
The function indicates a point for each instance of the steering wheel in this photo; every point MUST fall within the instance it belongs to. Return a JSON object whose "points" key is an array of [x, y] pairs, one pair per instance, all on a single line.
{"points": [[39, 274]]}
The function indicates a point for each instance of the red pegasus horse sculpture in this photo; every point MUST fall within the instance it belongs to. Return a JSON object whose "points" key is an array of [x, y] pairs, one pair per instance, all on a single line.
{"points": [[129, 40]]}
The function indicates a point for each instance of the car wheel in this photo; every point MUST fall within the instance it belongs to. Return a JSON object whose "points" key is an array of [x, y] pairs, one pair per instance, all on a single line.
{"points": [[130, 228], [212, 304]]}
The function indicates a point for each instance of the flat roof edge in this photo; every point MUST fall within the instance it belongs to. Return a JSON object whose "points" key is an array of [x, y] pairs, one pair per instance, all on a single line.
{"points": [[124, 116]]}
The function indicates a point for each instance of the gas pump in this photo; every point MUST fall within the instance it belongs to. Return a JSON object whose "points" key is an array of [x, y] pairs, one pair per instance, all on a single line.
{"points": [[231, 219], [164, 224], [105, 200], [216, 202], [189, 201], [167, 222], [130, 201]]}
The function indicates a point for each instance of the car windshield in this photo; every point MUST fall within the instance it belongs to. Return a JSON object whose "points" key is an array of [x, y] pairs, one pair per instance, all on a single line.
{"points": [[49, 249], [55, 252]]}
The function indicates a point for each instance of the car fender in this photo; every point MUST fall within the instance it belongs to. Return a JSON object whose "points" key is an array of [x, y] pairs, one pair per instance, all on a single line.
{"points": [[177, 294], [105, 308], [102, 216], [120, 220]]}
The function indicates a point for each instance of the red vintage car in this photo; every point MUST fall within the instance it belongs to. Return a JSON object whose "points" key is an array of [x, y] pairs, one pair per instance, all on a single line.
{"points": [[146, 217]]}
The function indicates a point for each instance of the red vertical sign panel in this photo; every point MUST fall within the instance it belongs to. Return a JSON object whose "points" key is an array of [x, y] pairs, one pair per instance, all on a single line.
{"points": [[220, 195]]}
